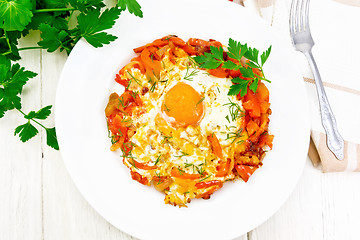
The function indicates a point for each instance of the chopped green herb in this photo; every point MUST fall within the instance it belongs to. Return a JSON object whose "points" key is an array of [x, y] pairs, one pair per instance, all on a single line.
{"points": [[166, 108], [190, 74], [201, 180], [134, 78], [200, 101], [234, 109], [157, 159]]}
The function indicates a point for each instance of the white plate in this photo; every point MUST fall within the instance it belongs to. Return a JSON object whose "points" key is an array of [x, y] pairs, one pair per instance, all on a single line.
{"points": [[99, 173]]}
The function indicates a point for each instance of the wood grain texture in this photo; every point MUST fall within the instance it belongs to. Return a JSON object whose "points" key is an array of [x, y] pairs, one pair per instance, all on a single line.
{"points": [[20, 164]]}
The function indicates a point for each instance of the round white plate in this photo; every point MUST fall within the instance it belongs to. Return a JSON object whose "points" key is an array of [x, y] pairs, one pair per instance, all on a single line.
{"points": [[105, 182]]}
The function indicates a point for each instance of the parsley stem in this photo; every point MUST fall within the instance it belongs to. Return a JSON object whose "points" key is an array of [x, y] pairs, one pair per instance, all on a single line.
{"points": [[54, 10], [29, 48], [32, 119], [6, 53]]}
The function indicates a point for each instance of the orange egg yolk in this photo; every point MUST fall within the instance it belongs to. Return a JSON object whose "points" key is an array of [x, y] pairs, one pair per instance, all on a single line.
{"points": [[183, 105]]}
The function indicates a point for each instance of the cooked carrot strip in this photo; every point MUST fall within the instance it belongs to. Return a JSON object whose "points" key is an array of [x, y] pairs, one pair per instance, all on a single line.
{"points": [[178, 173], [208, 184], [140, 165], [215, 145], [209, 192], [223, 168]]}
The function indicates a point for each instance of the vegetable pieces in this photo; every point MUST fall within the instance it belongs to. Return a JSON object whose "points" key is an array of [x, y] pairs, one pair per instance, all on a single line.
{"points": [[242, 64], [249, 139]]}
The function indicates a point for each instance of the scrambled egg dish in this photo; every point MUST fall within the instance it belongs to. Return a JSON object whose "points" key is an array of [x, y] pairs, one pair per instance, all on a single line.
{"points": [[177, 128]]}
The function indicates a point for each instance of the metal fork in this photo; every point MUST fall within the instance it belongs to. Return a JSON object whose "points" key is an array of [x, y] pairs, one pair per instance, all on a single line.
{"points": [[303, 42]]}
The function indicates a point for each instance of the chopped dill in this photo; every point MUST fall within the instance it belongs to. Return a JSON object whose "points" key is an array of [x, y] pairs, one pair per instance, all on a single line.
{"points": [[234, 135], [234, 109], [157, 159], [182, 154], [202, 99], [134, 78], [189, 75], [166, 138], [201, 180], [166, 108]]}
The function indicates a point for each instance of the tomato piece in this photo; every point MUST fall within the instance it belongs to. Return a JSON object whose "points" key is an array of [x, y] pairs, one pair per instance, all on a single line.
{"points": [[198, 42], [189, 50], [245, 171], [122, 81], [207, 184], [137, 177], [266, 139], [251, 104], [219, 72], [251, 127]]}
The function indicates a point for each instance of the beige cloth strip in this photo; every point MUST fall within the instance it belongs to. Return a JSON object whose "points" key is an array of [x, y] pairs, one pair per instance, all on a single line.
{"points": [[265, 3], [334, 86], [319, 152], [328, 160], [355, 3]]}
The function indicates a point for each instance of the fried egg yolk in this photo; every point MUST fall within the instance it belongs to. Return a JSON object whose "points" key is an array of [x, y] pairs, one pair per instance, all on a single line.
{"points": [[183, 106]]}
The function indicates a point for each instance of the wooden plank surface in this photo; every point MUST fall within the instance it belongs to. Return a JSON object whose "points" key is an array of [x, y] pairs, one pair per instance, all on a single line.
{"points": [[39, 201], [20, 164]]}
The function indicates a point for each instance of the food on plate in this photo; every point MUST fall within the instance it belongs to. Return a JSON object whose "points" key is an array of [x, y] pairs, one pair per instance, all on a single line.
{"points": [[190, 116]]}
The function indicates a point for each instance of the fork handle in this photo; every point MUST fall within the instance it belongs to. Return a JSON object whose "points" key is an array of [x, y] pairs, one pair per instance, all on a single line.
{"points": [[334, 140]]}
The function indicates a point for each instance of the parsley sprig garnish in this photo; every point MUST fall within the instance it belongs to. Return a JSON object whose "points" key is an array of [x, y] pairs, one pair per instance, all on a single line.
{"points": [[62, 23], [236, 51]]}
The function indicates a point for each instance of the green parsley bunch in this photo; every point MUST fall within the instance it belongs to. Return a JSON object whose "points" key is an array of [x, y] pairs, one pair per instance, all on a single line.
{"points": [[52, 18], [236, 50]]}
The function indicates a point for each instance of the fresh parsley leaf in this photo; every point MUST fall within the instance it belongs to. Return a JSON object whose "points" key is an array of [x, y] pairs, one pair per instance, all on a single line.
{"points": [[230, 65], [247, 72], [132, 6], [264, 56], [217, 52], [236, 49], [52, 38], [52, 3], [8, 44], [58, 22], [42, 114], [51, 138], [15, 15], [240, 86], [12, 80], [86, 5], [92, 23], [253, 86], [207, 61], [26, 131], [252, 54]]}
